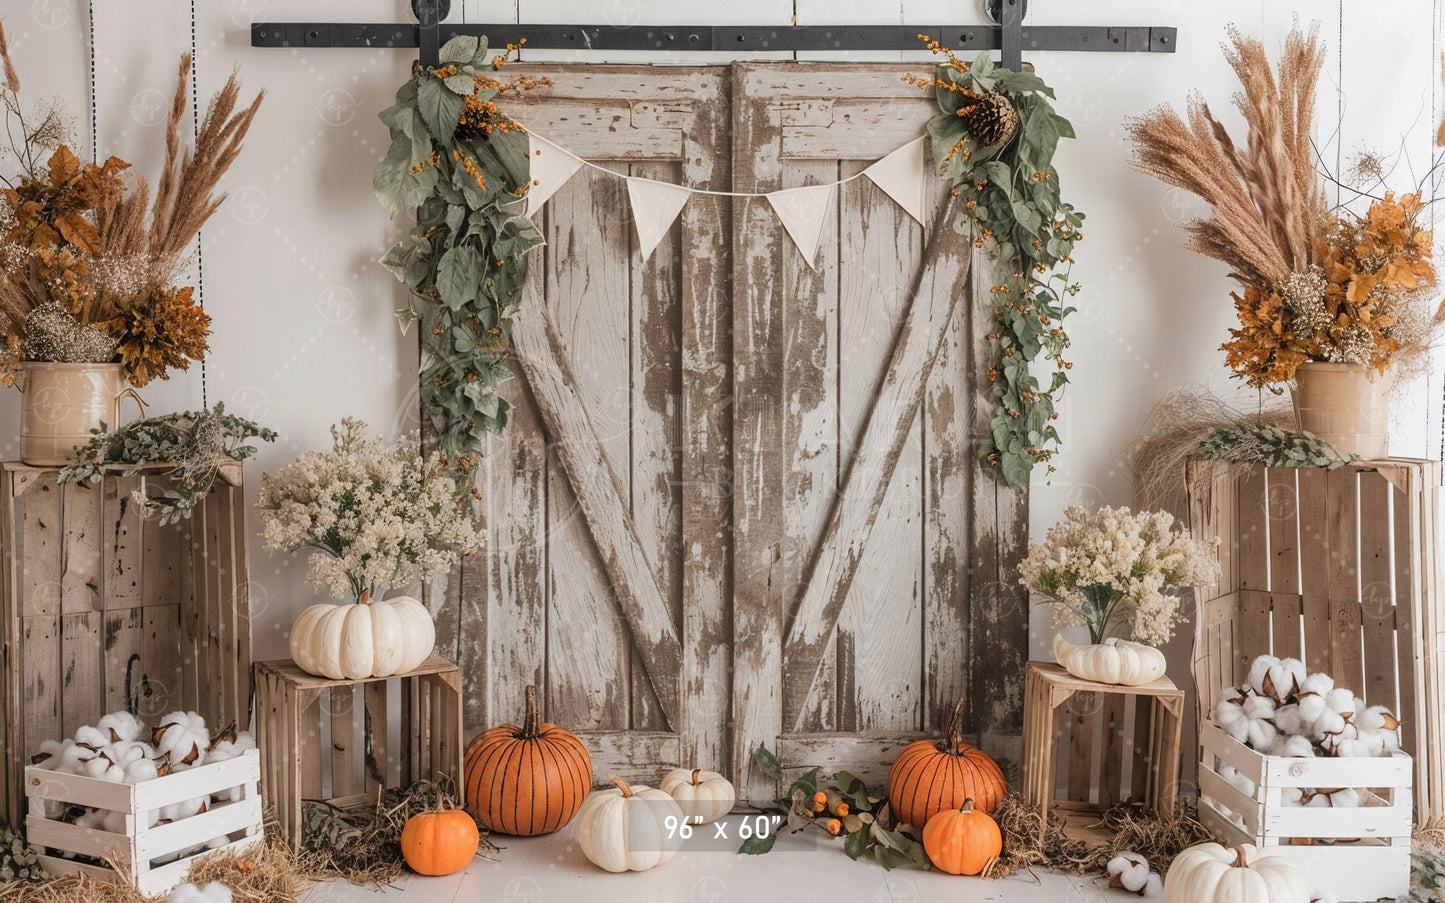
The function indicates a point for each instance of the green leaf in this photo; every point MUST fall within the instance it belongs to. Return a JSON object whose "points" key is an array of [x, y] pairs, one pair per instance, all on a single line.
{"points": [[767, 763], [856, 844], [441, 110], [405, 317], [461, 49], [757, 845], [396, 186], [458, 276], [461, 85]]}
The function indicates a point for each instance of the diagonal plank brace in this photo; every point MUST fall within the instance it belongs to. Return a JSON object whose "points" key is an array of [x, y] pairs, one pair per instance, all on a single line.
{"points": [[935, 298]]}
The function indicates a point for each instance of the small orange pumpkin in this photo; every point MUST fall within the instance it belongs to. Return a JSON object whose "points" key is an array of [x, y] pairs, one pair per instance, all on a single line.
{"points": [[439, 842], [962, 841], [526, 780], [929, 777]]}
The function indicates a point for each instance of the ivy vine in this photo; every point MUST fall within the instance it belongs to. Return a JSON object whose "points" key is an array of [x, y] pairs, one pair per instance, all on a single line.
{"points": [[463, 164], [994, 140]]}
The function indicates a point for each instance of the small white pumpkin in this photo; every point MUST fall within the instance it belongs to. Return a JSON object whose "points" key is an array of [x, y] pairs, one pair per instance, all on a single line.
{"points": [[625, 829], [1113, 661], [365, 639], [704, 796], [1210, 873]]}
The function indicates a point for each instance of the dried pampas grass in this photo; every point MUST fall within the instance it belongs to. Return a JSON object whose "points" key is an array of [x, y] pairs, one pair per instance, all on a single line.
{"points": [[1266, 200]]}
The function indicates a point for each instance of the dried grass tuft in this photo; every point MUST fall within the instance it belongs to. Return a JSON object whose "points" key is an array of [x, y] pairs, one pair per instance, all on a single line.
{"points": [[1177, 424], [1030, 840]]}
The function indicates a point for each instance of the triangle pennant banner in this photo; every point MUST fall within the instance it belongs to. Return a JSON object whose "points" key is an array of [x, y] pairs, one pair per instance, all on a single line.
{"points": [[803, 211], [902, 176], [655, 206], [551, 168]]}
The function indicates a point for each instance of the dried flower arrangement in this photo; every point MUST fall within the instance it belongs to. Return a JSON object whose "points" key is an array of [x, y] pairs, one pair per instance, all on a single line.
{"points": [[190, 446], [84, 277], [380, 514], [1318, 285], [994, 139], [1116, 565], [463, 163]]}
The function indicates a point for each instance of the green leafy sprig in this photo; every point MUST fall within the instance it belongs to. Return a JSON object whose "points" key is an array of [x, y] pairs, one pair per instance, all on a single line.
{"points": [[189, 445], [1008, 195], [463, 164], [1272, 446], [868, 826]]}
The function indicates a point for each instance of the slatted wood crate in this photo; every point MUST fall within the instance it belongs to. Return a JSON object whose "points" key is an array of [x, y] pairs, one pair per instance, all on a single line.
{"points": [[155, 857], [103, 610], [1100, 744], [1358, 853], [1338, 568], [342, 740]]}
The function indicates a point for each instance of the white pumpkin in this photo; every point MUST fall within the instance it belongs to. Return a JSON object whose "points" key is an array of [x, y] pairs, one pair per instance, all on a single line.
{"points": [[705, 796], [1210, 873], [626, 829], [1113, 661], [367, 639]]}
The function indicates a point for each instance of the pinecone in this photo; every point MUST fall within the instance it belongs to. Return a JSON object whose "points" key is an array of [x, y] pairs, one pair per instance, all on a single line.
{"points": [[991, 120]]}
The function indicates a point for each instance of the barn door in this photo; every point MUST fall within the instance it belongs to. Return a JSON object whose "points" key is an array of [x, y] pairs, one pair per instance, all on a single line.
{"points": [[736, 503], [870, 593], [605, 502]]}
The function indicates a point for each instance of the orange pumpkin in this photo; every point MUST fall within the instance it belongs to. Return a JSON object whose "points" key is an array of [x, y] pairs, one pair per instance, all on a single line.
{"points": [[526, 780], [439, 842], [929, 777], [962, 841]]}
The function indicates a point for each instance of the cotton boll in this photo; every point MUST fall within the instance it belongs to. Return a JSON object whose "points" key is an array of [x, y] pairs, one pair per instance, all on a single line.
{"points": [[183, 737], [1154, 887], [115, 822], [1329, 724], [120, 726], [1128, 870], [1353, 749], [51, 753], [1282, 679], [1293, 796], [215, 892], [1287, 719], [1345, 798], [1318, 682], [183, 809], [1295, 746], [102, 768], [141, 770], [1241, 783], [229, 750], [92, 818], [91, 737], [1342, 701], [1259, 672], [1229, 716], [1259, 729], [1374, 741]]}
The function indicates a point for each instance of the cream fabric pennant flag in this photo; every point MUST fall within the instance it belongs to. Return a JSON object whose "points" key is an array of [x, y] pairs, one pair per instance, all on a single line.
{"points": [[551, 168], [803, 211], [655, 206], [903, 177]]}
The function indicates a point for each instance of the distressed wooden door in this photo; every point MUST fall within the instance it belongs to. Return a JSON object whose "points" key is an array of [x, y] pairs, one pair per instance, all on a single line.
{"points": [[737, 504], [872, 558]]}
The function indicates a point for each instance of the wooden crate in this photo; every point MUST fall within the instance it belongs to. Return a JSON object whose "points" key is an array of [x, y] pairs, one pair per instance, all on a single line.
{"points": [[102, 610], [1338, 568], [1102, 729], [340, 740], [1372, 860], [149, 854]]}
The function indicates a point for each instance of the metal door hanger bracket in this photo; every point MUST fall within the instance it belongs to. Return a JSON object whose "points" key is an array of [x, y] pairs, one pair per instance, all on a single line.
{"points": [[1009, 36]]}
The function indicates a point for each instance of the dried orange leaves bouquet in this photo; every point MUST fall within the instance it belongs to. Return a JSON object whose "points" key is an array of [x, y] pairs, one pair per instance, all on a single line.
{"points": [[89, 261], [1318, 285]]}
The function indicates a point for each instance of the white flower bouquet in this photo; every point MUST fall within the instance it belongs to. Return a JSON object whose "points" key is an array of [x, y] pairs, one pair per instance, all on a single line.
{"points": [[381, 515], [1116, 565]]}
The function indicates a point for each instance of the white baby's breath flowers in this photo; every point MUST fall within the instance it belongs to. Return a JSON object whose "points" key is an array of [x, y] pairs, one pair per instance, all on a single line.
{"points": [[381, 514], [1116, 564]]}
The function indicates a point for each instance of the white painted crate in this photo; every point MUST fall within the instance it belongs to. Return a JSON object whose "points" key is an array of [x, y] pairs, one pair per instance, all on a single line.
{"points": [[148, 853], [1376, 864]]}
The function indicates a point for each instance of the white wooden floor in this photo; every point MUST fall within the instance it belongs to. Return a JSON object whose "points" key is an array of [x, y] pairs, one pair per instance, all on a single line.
{"points": [[553, 870]]}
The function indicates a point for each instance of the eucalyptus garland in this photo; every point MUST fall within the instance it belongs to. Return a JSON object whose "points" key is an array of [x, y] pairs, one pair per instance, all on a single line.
{"points": [[463, 165], [994, 139]]}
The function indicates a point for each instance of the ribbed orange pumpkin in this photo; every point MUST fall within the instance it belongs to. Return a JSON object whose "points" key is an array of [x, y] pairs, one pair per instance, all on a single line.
{"points": [[962, 841], [526, 780], [439, 842], [931, 776]]}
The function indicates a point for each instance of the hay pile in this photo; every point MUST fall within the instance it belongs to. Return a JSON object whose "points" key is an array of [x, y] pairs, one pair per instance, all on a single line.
{"points": [[1030, 840], [268, 874]]}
